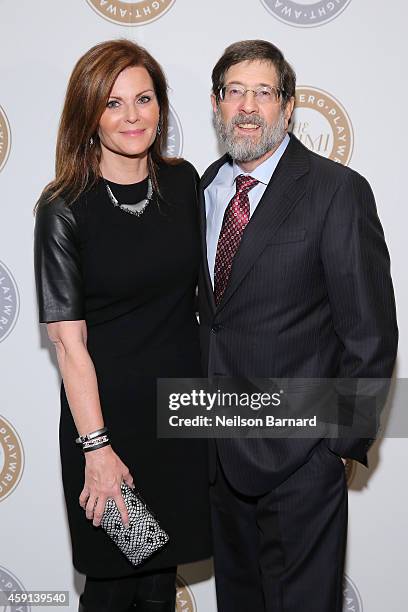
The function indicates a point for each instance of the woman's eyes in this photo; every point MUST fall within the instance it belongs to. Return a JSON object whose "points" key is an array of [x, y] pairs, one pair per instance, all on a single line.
{"points": [[142, 100], [112, 104]]}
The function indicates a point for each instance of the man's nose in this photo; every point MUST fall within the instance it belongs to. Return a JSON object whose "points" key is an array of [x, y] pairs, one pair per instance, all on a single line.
{"points": [[249, 102]]}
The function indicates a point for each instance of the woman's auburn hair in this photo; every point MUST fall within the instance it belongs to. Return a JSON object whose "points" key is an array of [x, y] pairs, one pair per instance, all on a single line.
{"points": [[78, 149]]}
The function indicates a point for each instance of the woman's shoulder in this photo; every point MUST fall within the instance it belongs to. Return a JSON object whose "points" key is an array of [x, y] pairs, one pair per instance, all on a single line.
{"points": [[54, 215], [50, 206], [179, 168]]}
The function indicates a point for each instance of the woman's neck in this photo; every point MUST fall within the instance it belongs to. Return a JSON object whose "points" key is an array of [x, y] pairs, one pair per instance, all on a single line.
{"points": [[121, 169]]}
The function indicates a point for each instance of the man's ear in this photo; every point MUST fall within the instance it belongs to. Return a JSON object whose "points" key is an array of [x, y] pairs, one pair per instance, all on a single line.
{"points": [[214, 102], [290, 105]]}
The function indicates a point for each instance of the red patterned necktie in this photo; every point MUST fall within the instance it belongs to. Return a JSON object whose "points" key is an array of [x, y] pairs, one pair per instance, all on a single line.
{"points": [[235, 220]]}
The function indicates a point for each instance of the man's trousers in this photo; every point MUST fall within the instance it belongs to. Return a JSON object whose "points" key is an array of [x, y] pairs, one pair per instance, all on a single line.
{"points": [[283, 551]]}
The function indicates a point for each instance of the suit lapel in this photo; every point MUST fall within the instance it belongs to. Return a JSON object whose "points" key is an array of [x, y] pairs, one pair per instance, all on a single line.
{"points": [[280, 197], [206, 180]]}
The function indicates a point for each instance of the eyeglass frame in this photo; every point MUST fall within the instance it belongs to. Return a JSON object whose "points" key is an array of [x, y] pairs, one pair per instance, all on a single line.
{"points": [[281, 92]]}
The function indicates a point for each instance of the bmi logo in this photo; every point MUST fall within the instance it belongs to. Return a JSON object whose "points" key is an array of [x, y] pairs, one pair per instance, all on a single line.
{"points": [[5, 138], [9, 302], [351, 597], [322, 124], [8, 582], [11, 458], [131, 12], [174, 146], [306, 13], [184, 599]]}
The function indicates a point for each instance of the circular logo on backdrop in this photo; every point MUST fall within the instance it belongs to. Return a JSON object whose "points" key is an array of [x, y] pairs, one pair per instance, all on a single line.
{"points": [[322, 124], [9, 302], [305, 13], [351, 597], [174, 146], [131, 12], [11, 458], [9, 582], [185, 601], [5, 138]]}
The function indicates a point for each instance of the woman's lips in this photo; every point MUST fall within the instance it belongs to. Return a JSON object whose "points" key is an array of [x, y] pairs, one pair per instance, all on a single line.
{"points": [[133, 132]]}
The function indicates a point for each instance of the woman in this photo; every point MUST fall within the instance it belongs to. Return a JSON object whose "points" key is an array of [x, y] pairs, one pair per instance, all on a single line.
{"points": [[116, 257]]}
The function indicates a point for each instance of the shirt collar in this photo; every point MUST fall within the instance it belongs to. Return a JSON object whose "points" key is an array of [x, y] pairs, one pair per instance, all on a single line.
{"points": [[263, 172]]}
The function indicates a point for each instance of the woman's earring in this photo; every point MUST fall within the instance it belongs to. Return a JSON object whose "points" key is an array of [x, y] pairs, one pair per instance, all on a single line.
{"points": [[91, 142], [159, 129]]}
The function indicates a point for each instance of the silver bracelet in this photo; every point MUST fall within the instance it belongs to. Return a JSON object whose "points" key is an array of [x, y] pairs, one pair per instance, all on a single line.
{"points": [[91, 436], [91, 448], [95, 441]]}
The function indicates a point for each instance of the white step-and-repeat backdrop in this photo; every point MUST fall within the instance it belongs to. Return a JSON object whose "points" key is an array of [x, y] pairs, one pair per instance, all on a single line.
{"points": [[350, 58]]}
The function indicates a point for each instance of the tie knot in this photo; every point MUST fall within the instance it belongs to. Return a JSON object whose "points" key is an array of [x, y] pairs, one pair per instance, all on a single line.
{"points": [[245, 182]]}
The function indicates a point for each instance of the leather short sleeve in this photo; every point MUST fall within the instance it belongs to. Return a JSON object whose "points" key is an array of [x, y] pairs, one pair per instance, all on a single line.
{"points": [[57, 263]]}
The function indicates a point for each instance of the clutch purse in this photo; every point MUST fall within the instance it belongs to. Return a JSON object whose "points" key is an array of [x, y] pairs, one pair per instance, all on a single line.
{"points": [[143, 537]]}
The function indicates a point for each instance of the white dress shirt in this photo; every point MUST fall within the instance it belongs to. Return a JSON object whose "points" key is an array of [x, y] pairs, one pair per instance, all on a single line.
{"points": [[219, 193]]}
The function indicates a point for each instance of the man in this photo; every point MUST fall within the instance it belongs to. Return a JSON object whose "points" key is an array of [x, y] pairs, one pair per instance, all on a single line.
{"points": [[295, 283]]}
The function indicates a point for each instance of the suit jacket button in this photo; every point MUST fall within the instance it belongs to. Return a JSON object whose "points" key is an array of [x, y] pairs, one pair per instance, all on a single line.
{"points": [[216, 328]]}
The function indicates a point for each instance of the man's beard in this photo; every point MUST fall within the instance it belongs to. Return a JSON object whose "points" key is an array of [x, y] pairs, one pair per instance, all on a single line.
{"points": [[246, 148]]}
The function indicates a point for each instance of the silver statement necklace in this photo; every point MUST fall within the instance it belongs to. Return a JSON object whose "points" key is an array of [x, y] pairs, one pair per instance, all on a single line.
{"points": [[136, 209]]}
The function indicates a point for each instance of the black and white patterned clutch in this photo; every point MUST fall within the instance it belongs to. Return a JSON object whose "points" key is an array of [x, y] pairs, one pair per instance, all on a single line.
{"points": [[144, 535]]}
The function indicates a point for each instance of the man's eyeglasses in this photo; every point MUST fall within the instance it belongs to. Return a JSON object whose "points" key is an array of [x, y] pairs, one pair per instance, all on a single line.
{"points": [[264, 94]]}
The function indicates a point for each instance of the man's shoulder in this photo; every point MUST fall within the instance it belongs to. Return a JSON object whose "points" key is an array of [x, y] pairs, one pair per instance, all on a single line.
{"points": [[213, 169], [328, 176], [324, 168], [321, 168]]}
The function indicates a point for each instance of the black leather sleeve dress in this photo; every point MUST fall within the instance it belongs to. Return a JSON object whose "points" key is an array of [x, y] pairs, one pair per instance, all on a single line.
{"points": [[132, 279]]}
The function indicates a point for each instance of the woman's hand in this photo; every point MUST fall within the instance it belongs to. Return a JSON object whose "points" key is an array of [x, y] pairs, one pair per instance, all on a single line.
{"points": [[104, 472]]}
